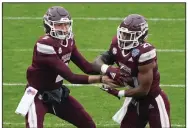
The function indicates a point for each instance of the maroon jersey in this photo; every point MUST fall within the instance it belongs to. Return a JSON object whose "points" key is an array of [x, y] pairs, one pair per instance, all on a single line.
{"points": [[143, 54], [50, 64]]}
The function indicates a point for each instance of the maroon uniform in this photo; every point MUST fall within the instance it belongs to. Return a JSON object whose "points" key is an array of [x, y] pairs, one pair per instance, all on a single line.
{"points": [[49, 68], [153, 108], [137, 60], [50, 64], [51, 56]]}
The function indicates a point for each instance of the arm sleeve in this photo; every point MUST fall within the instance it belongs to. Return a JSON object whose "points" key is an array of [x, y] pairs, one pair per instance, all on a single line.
{"points": [[147, 57], [81, 62], [50, 59], [108, 58], [104, 58]]}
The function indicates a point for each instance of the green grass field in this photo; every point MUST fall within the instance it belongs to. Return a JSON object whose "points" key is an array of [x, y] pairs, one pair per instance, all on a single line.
{"points": [[166, 32]]}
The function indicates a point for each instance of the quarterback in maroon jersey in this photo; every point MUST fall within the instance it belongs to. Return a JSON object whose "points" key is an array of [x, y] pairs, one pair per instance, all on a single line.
{"points": [[137, 58], [51, 56]]}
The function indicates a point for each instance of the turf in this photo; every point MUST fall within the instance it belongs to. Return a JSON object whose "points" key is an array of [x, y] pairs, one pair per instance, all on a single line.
{"points": [[19, 37]]}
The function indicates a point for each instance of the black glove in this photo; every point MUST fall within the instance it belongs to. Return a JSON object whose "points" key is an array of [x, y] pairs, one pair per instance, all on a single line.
{"points": [[111, 91]]}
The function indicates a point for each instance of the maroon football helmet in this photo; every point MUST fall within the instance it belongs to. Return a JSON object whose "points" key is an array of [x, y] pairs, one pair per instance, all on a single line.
{"points": [[57, 15], [132, 31]]}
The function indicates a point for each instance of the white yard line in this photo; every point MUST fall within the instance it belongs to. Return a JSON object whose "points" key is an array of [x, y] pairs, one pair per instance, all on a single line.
{"points": [[96, 50], [94, 18], [97, 18], [105, 124], [162, 85], [93, 50]]}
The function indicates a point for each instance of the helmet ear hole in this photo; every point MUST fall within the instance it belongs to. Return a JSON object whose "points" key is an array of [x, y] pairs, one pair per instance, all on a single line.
{"points": [[143, 37], [137, 34], [46, 28]]}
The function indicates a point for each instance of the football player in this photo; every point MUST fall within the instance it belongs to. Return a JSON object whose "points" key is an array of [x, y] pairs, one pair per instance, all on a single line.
{"points": [[138, 59], [51, 56]]}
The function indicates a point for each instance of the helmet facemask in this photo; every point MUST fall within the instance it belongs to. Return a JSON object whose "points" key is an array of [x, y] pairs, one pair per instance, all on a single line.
{"points": [[59, 33], [130, 39]]}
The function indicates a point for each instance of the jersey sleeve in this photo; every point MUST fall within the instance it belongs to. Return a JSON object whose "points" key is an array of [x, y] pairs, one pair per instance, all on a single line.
{"points": [[78, 59], [147, 55], [46, 56], [107, 58]]}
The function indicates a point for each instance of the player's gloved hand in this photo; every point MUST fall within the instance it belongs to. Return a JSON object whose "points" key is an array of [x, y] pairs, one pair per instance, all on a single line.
{"points": [[124, 81], [121, 76], [112, 72], [111, 91], [125, 78], [108, 81]]}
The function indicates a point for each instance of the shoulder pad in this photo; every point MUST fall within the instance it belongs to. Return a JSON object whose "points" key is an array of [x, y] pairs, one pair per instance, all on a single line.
{"points": [[45, 45], [147, 52], [147, 56]]}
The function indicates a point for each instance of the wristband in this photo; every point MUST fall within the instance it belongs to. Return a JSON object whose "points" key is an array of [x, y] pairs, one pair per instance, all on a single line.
{"points": [[121, 93], [104, 68]]}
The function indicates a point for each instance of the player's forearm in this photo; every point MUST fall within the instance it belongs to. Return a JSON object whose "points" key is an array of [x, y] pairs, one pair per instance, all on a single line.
{"points": [[66, 73], [85, 66], [97, 64], [104, 59], [84, 79], [142, 89], [98, 60], [94, 79], [89, 68], [134, 92], [82, 63], [77, 79]]}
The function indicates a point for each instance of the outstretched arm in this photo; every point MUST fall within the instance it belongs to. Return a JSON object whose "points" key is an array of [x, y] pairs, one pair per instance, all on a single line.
{"points": [[82, 63], [47, 57]]}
